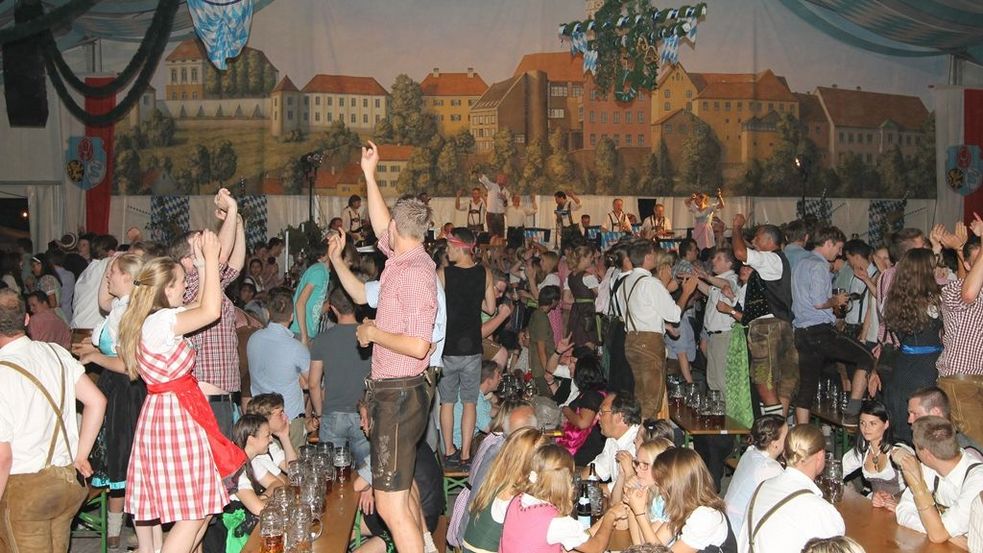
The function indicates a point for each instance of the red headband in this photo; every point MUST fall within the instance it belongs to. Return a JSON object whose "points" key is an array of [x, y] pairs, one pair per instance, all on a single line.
{"points": [[458, 243]]}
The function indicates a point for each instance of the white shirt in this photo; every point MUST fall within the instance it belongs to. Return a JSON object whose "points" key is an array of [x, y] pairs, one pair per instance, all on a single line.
{"points": [[348, 215], [551, 279], [768, 264], [713, 320], [519, 216], [439, 324], [111, 323], [85, 306], [956, 490], [859, 308], [497, 197], [852, 460], [754, 468], [616, 222], [785, 530], [704, 527], [603, 301], [605, 463], [651, 305], [565, 531], [269, 463], [26, 419], [650, 223], [976, 524]]}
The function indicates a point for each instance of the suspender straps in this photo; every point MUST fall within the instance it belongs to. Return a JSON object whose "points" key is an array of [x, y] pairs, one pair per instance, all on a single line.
{"points": [[628, 318], [58, 409], [753, 533]]}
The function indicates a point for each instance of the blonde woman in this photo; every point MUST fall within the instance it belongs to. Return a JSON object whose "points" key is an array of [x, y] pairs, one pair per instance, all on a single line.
{"points": [[636, 474], [775, 515], [508, 472], [695, 515], [538, 519], [179, 456], [839, 544], [124, 397]]}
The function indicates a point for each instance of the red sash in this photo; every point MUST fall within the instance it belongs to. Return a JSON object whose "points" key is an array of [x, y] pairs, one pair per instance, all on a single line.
{"points": [[228, 457]]}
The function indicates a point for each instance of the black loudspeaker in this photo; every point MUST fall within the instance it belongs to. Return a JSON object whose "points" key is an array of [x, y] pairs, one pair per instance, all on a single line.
{"points": [[23, 74]]}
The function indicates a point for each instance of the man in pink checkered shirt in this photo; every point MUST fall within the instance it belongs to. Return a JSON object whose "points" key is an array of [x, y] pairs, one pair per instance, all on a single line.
{"points": [[961, 363], [217, 363], [399, 390]]}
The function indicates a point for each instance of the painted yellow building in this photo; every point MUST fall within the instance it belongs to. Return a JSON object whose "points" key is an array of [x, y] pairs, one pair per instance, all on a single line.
{"points": [[727, 102], [450, 97]]}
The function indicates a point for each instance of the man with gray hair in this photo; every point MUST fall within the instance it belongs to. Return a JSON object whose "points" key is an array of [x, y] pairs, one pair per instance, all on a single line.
{"points": [[400, 388], [44, 451]]}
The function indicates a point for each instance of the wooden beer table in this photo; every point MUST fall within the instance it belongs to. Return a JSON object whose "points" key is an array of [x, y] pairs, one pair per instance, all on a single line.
{"points": [[685, 419], [340, 507], [835, 419], [878, 531]]}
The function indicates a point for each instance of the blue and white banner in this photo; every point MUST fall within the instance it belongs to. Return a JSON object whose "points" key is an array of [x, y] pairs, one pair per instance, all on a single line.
{"points": [[252, 207], [820, 208], [170, 216], [885, 217]]}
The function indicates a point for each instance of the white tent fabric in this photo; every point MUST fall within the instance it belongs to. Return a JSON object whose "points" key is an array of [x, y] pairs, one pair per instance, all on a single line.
{"points": [[949, 131]]}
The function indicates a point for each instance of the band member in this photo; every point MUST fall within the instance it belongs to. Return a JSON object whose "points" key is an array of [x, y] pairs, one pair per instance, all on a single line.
{"points": [[564, 211], [351, 217], [657, 225], [498, 198], [617, 219], [475, 208]]}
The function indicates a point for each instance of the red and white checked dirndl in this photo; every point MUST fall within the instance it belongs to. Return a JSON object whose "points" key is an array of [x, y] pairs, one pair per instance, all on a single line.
{"points": [[172, 475]]}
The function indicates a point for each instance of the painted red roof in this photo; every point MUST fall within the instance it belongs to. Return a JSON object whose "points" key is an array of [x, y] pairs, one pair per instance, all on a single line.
{"points": [[351, 173], [285, 85], [869, 110], [558, 66], [392, 152], [453, 84], [764, 85], [192, 50], [345, 84]]}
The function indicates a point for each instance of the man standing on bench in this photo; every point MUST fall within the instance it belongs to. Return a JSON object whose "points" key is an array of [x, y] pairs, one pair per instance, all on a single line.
{"points": [[399, 389]]}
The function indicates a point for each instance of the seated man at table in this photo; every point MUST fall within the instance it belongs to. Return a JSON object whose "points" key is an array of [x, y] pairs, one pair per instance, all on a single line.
{"points": [[934, 401], [619, 417], [942, 482]]}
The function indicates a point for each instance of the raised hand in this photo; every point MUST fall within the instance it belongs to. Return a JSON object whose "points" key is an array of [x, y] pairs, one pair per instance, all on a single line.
{"points": [[739, 221], [336, 245], [938, 232], [224, 200], [370, 158], [210, 246], [977, 225]]}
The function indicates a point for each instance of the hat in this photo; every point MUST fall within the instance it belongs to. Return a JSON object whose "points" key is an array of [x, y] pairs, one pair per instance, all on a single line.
{"points": [[68, 242]]}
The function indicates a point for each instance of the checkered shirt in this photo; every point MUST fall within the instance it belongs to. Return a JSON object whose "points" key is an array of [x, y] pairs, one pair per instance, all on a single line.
{"points": [[407, 306], [216, 344], [962, 340]]}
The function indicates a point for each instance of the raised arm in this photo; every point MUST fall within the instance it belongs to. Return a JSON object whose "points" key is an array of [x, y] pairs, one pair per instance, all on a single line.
{"points": [[378, 211], [737, 238], [237, 259], [720, 199], [974, 280], [206, 251], [350, 282], [226, 210]]}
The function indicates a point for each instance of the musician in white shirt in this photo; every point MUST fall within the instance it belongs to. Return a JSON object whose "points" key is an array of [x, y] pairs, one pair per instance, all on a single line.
{"points": [[351, 217], [617, 220], [657, 224], [804, 514], [943, 481]]}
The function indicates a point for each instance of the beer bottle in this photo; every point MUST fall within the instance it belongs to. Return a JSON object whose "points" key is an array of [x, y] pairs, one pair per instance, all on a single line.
{"points": [[583, 507]]}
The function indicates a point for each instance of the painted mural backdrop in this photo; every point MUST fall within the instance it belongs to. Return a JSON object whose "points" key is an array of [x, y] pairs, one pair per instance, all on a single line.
{"points": [[455, 88]]}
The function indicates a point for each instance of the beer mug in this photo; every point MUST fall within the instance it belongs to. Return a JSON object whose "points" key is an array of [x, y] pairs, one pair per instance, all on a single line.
{"points": [[343, 463], [301, 531], [271, 529]]}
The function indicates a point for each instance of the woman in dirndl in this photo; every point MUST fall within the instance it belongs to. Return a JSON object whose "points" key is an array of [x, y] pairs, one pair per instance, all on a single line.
{"points": [[179, 455], [124, 397]]}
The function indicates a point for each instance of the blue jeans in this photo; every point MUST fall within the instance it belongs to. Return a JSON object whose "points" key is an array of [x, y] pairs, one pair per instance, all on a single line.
{"points": [[337, 427]]}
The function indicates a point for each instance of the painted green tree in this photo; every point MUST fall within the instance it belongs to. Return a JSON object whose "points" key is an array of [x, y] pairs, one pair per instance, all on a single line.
{"points": [[338, 143], [534, 176], [605, 166], [408, 122], [893, 172], [200, 166], [922, 171], [127, 175], [780, 173], [223, 162], [504, 153], [559, 164], [701, 161]]}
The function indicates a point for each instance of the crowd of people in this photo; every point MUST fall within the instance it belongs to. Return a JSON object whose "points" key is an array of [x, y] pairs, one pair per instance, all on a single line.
{"points": [[202, 371]]}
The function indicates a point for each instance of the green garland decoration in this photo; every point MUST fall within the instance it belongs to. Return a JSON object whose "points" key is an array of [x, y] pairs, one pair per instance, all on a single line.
{"points": [[621, 44]]}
